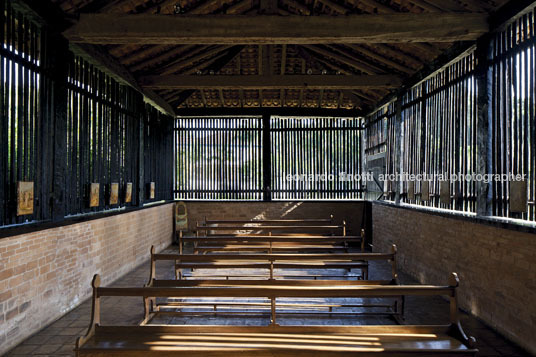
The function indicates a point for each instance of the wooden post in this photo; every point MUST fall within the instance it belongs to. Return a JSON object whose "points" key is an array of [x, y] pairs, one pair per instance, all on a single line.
{"points": [[266, 158], [141, 154], [59, 55], [394, 273], [398, 148], [181, 243], [152, 274], [484, 135], [273, 320], [453, 283]]}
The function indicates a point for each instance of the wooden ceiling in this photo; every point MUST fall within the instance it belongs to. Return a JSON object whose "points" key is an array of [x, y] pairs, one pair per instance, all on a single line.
{"points": [[337, 74]]}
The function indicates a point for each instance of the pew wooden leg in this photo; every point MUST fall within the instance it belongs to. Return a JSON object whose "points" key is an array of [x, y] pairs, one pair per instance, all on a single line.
{"points": [[273, 318]]}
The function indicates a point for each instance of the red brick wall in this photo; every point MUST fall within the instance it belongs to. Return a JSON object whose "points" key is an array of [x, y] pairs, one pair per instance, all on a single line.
{"points": [[47, 273], [352, 212], [497, 267]]}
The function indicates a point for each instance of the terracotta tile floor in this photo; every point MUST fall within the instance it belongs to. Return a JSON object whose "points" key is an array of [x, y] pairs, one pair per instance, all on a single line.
{"points": [[58, 338]]}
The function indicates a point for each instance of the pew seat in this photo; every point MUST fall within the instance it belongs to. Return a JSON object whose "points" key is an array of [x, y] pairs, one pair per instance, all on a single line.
{"points": [[201, 341]]}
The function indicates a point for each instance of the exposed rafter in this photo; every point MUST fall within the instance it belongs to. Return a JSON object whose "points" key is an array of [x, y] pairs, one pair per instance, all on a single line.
{"points": [[183, 96], [335, 82], [269, 29], [110, 65], [349, 113]]}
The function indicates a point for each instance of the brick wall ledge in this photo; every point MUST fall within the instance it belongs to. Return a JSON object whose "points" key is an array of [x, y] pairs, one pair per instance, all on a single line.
{"points": [[499, 222], [35, 226]]}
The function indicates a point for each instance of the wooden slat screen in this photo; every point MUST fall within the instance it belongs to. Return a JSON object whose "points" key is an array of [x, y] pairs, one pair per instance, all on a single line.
{"points": [[66, 124], [102, 142], [219, 158], [24, 84], [159, 153], [513, 129], [376, 132], [437, 137], [315, 146]]}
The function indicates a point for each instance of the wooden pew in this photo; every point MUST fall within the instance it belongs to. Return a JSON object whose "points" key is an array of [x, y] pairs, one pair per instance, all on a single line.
{"points": [[325, 340], [305, 221], [270, 259], [271, 262], [394, 309], [271, 243], [300, 228]]}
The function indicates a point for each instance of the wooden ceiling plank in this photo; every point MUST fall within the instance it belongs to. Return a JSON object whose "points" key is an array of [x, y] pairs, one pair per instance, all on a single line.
{"points": [[382, 9], [142, 53], [425, 6], [270, 82], [239, 7], [197, 55], [477, 5], [205, 7], [398, 54], [117, 6], [268, 7], [274, 29], [355, 100], [334, 6], [383, 60], [176, 52], [119, 49], [298, 6], [343, 59], [214, 66], [446, 5]]}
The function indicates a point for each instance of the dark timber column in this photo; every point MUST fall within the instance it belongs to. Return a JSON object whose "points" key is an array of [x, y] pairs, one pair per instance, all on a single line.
{"points": [[141, 155], [484, 133], [398, 147], [59, 55], [266, 158]]}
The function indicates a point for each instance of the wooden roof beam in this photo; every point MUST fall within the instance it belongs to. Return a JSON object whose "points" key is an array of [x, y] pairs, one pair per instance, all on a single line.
{"points": [[239, 7], [274, 82], [399, 55], [109, 64], [165, 56], [363, 67], [356, 101], [215, 65], [199, 55], [143, 53], [273, 29], [383, 60], [280, 111]]}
